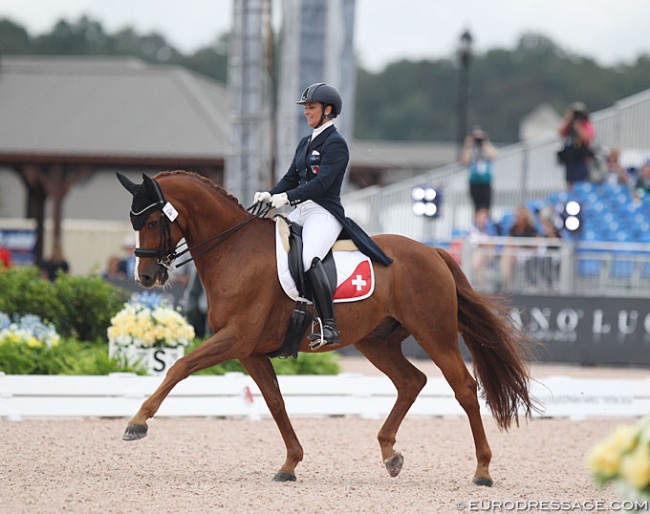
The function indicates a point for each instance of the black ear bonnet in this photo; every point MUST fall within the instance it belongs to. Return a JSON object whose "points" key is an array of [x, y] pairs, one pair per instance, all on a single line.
{"points": [[147, 198]]}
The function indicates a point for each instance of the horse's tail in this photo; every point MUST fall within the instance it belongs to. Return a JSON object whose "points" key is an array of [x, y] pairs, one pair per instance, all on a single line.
{"points": [[500, 351]]}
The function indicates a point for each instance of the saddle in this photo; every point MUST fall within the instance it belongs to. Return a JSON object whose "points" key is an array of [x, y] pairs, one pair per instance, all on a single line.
{"points": [[301, 317]]}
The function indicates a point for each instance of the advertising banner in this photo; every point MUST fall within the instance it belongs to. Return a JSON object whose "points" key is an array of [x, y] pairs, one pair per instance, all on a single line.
{"points": [[21, 244], [587, 330]]}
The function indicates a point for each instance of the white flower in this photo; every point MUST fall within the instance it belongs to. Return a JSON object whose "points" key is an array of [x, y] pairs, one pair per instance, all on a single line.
{"points": [[149, 324]]}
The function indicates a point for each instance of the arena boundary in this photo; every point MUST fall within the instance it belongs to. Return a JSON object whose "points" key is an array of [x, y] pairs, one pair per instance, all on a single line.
{"points": [[236, 395]]}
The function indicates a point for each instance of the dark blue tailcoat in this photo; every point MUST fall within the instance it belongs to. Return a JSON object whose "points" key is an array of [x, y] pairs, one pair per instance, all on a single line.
{"points": [[316, 173]]}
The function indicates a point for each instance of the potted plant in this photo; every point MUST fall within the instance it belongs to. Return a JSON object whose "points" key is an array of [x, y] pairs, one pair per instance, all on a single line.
{"points": [[150, 331]]}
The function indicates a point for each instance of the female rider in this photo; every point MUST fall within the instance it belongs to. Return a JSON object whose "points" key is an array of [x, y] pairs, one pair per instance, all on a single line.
{"points": [[313, 184]]}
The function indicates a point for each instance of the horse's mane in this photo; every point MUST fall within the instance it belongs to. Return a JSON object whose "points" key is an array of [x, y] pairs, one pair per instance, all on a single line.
{"points": [[222, 191]]}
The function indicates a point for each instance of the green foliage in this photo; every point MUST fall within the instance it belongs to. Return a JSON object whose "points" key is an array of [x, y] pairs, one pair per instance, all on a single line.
{"points": [[69, 357], [23, 291], [79, 307], [88, 304], [305, 364]]}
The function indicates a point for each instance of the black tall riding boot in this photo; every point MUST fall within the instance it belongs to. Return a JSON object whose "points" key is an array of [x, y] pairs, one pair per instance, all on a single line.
{"points": [[323, 299]]}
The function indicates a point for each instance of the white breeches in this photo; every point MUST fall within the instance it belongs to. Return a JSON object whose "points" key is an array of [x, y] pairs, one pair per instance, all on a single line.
{"points": [[319, 230]]}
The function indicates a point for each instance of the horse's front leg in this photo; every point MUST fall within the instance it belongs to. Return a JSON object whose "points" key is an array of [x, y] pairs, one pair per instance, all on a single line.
{"points": [[213, 351], [260, 368]]}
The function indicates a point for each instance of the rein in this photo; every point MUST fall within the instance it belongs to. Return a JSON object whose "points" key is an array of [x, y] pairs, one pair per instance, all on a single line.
{"points": [[166, 257], [257, 210]]}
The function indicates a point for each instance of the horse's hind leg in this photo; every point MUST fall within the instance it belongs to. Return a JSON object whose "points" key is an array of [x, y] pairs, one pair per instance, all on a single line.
{"points": [[261, 370], [386, 355], [448, 358]]}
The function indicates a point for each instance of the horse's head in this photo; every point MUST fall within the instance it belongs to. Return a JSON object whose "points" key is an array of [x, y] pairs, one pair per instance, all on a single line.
{"points": [[157, 230]]}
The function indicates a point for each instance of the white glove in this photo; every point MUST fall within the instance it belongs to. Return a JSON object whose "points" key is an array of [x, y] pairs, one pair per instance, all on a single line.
{"points": [[261, 197], [279, 200]]}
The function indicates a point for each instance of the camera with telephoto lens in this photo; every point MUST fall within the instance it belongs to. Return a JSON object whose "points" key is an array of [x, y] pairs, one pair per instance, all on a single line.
{"points": [[479, 140], [579, 115]]}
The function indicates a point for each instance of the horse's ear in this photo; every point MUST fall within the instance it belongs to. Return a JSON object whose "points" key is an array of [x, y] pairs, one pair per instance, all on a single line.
{"points": [[126, 182], [149, 185]]}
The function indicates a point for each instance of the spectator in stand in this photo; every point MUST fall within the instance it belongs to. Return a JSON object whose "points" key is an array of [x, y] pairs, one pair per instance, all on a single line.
{"points": [[51, 267], [642, 185], [478, 154], [112, 265], [617, 174], [523, 226], [478, 236], [577, 135], [126, 266], [544, 269]]}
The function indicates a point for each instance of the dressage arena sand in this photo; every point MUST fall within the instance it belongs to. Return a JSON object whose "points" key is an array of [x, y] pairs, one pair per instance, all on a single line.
{"points": [[197, 465]]}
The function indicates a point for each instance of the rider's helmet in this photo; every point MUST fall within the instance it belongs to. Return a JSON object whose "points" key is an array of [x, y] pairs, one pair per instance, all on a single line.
{"points": [[327, 95]]}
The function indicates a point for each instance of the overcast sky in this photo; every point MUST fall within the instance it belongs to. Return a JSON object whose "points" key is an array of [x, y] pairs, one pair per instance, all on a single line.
{"points": [[610, 31]]}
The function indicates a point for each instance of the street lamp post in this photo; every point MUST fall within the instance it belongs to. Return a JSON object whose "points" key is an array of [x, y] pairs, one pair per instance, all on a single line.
{"points": [[464, 58]]}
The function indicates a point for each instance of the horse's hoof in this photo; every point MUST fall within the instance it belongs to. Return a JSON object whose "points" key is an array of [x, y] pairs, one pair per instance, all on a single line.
{"points": [[281, 476], [134, 432], [394, 464], [487, 482]]}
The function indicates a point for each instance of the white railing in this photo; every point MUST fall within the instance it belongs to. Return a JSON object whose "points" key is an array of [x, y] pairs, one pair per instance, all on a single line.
{"points": [[522, 171], [236, 395], [543, 266]]}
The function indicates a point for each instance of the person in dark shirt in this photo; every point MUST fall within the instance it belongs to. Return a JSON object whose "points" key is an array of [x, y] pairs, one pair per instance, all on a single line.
{"points": [[523, 226]]}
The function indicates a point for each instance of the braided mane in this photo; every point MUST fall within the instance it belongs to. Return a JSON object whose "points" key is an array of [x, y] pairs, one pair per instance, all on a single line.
{"points": [[222, 191]]}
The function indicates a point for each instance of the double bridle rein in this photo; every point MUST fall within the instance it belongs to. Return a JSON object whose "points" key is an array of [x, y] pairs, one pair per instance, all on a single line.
{"points": [[165, 257]]}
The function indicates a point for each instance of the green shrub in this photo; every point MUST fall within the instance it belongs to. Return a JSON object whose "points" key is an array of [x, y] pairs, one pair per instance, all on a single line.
{"points": [[23, 291], [79, 307], [305, 364], [72, 357], [69, 357], [87, 306]]}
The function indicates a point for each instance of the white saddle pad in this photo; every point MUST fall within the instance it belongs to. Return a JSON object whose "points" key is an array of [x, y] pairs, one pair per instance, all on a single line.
{"points": [[354, 271]]}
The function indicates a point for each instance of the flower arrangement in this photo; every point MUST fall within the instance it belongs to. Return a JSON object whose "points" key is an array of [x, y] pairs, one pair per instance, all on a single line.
{"points": [[624, 459], [149, 321], [29, 330]]}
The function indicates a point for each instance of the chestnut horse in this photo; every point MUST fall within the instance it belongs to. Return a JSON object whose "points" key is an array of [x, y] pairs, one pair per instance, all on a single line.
{"points": [[423, 293]]}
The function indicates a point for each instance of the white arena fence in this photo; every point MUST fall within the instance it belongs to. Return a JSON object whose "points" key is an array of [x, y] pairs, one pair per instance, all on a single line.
{"points": [[236, 395]]}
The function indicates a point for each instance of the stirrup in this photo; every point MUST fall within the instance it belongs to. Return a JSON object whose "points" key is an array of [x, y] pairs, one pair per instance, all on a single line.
{"points": [[318, 338]]}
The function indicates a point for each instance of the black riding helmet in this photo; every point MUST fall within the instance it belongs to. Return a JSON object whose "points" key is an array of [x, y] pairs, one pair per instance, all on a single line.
{"points": [[327, 95]]}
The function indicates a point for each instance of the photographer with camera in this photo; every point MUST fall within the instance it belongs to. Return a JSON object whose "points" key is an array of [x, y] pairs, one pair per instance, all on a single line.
{"points": [[478, 154], [577, 134]]}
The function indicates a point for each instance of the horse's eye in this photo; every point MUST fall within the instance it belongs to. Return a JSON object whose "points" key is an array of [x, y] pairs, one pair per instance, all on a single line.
{"points": [[152, 224]]}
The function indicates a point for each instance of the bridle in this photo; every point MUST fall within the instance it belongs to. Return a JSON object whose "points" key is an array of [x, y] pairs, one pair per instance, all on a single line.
{"points": [[165, 257]]}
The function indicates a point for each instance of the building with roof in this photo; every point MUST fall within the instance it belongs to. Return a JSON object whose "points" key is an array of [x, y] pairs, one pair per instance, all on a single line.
{"points": [[68, 123]]}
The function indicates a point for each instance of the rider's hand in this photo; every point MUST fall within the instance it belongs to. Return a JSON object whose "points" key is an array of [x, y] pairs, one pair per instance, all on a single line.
{"points": [[279, 200], [262, 197]]}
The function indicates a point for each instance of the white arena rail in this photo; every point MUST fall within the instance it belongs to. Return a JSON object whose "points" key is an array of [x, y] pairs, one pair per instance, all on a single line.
{"points": [[235, 394]]}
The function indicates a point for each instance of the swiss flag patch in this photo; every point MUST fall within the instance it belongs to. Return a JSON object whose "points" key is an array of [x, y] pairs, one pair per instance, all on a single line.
{"points": [[357, 284]]}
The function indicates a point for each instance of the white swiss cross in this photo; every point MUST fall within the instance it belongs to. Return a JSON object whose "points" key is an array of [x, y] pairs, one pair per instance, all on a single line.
{"points": [[359, 282]]}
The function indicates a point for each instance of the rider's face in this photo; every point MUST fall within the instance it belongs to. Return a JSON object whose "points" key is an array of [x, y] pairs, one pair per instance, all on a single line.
{"points": [[313, 111]]}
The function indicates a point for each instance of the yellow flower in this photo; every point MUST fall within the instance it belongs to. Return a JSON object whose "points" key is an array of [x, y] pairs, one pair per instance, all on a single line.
{"points": [[604, 460], [635, 466], [138, 325]]}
